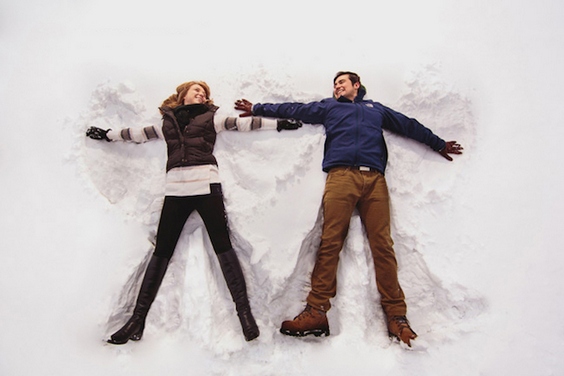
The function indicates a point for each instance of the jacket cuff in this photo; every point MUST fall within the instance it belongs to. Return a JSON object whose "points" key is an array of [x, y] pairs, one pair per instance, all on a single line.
{"points": [[255, 110], [440, 145]]}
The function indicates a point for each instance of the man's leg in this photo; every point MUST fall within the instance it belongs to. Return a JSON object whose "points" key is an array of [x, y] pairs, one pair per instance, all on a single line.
{"points": [[339, 200], [341, 194], [374, 212], [374, 209]]}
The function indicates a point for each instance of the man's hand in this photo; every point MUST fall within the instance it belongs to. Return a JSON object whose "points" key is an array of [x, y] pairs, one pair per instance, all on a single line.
{"points": [[245, 106], [452, 147]]}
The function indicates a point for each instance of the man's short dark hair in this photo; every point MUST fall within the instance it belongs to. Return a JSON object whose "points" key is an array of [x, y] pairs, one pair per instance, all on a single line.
{"points": [[352, 76]]}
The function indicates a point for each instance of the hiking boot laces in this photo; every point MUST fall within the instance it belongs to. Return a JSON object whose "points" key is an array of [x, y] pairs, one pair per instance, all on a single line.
{"points": [[305, 313], [402, 323]]}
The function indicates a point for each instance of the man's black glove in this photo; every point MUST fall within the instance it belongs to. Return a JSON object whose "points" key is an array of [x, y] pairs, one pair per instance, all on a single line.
{"points": [[288, 124], [96, 133]]}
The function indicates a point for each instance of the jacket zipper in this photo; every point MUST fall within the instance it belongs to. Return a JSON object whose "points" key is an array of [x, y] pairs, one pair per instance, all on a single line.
{"points": [[358, 110]]}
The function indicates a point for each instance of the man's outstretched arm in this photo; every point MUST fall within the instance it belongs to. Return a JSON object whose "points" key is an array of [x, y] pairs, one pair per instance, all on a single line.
{"points": [[311, 113], [247, 108]]}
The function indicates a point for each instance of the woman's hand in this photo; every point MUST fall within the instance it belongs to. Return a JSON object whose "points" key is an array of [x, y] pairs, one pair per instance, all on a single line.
{"points": [[245, 106], [96, 133], [288, 124]]}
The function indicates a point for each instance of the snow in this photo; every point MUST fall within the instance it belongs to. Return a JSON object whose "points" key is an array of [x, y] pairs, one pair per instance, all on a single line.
{"points": [[478, 240]]}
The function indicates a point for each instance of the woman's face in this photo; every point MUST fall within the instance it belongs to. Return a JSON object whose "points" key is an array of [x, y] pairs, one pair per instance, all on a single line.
{"points": [[196, 94]]}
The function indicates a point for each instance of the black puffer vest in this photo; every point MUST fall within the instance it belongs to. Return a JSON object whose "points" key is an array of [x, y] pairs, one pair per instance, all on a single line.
{"points": [[190, 135]]}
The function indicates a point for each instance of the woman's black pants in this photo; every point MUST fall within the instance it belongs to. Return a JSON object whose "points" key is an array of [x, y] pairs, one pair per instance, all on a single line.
{"points": [[176, 211]]}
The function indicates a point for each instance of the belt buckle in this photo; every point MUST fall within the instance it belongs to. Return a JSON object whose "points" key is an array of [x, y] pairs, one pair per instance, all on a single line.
{"points": [[363, 168]]}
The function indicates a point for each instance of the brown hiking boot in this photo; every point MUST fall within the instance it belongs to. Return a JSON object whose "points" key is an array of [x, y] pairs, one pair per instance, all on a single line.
{"points": [[398, 327], [310, 321]]}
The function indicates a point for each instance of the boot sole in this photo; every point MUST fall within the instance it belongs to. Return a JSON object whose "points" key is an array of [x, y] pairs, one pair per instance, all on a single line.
{"points": [[134, 337], [397, 338], [315, 332], [252, 336], [393, 336], [111, 341]]}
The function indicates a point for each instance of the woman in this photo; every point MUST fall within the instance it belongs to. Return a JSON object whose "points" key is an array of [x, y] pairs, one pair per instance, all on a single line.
{"points": [[190, 126]]}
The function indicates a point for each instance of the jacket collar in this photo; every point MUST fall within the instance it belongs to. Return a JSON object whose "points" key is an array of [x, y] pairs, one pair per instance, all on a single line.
{"points": [[359, 97]]}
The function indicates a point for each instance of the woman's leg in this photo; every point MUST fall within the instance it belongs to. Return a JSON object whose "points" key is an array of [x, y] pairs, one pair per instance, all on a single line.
{"points": [[135, 326], [175, 212], [173, 216], [235, 280], [212, 211]]}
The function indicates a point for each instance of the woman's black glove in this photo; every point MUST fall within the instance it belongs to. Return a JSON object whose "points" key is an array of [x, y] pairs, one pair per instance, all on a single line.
{"points": [[96, 133], [288, 124]]}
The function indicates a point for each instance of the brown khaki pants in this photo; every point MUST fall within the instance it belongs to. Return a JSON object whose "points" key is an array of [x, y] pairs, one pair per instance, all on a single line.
{"points": [[345, 190]]}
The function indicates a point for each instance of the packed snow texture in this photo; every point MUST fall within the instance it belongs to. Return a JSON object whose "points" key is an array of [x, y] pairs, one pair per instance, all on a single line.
{"points": [[477, 240]]}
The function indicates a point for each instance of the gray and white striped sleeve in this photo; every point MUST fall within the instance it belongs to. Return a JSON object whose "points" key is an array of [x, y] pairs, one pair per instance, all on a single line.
{"points": [[242, 124], [137, 135]]}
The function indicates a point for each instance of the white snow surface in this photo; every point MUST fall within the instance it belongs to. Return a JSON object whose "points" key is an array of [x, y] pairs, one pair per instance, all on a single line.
{"points": [[478, 240]]}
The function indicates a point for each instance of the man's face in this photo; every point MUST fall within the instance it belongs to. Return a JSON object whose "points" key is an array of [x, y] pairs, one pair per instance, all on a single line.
{"points": [[343, 87]]}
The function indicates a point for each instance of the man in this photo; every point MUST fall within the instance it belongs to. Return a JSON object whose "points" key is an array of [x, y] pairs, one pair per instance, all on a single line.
{"points": [[355, 159]]}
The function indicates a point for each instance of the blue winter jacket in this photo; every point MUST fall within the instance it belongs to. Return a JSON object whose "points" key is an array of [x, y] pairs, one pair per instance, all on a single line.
{"points": [[354, 129]]}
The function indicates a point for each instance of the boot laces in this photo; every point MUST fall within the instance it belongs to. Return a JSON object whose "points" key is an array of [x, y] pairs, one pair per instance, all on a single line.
{"points": [[402, 323], [307, 312]]}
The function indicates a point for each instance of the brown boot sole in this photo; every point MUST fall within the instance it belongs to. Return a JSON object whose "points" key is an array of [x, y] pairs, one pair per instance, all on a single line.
{"points": [[393, 336]]}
